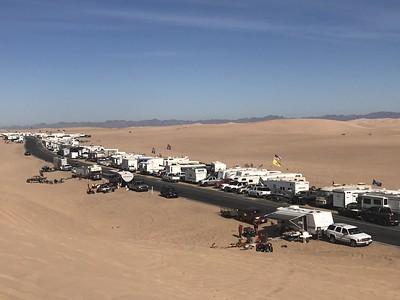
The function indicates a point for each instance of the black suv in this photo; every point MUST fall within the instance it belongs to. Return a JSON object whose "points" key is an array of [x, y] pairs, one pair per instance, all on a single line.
{"points": [[380, 215], [169, 192], [138, 186]]}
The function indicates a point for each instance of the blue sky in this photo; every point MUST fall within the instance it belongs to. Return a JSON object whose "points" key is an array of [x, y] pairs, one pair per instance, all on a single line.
{"points": [[196, 59]]}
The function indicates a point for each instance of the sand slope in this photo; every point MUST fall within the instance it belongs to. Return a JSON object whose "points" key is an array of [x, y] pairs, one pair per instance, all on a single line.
{"points": [[56, 242]]}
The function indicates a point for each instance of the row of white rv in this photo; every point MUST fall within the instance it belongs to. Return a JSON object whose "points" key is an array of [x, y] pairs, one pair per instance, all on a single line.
{"points": [[287, 184], [365, 196]]}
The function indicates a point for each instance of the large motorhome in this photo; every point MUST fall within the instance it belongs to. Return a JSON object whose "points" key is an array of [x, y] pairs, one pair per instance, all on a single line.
{"points": [[253, 176], [176, 160], [382, 199]]}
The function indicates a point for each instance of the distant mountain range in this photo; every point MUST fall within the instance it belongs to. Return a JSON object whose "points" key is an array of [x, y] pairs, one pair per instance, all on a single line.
{"points": [[156, 122]]}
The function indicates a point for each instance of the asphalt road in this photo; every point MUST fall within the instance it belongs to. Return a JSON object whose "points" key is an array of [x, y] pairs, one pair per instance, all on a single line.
{"points": [[388, 235]]}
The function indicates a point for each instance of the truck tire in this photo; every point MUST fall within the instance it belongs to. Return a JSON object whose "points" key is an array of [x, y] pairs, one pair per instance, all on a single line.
{"points": [[332, 239], [353, 243]]}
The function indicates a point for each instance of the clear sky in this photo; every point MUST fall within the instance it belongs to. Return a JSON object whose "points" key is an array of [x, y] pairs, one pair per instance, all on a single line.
{"points": [[78, 60]]}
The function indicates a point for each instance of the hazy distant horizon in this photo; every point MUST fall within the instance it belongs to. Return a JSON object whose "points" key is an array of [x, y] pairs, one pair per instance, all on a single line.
{"points": [[166, 122], [187, 59]]}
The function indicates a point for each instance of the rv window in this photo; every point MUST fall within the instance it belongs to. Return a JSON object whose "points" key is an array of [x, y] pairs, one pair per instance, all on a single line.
{"points": [[377, 202], [385, 202], [367, 201]]}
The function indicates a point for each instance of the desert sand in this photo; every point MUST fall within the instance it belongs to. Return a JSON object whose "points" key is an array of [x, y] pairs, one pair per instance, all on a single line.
{"points": [[324, 151], [57, 242]]}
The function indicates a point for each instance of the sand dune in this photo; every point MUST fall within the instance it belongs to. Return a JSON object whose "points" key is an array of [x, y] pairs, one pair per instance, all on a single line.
{"points": [[323, 150], [57, 242]]}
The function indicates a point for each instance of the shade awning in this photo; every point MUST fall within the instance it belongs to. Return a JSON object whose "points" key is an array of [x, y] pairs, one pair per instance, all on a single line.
{"points": [[284, 216]]}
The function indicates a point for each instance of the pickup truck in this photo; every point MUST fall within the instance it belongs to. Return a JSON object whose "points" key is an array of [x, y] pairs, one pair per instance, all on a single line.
{"points": [[380, 215], [210, 181], [347, 234], [259, 191], [171, 178]]}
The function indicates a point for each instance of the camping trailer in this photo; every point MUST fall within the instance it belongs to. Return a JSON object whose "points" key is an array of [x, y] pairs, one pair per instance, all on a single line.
{"points": [[301, 219]]}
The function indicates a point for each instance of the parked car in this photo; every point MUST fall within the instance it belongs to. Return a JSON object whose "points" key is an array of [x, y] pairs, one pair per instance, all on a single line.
{"points": [[259, 191], [380, 215], [352, 210], [169, 192], [171, 178], [105, 188], [251, 215], [138, 186], [27, 153], [347, 234], [66, 167], [209, 181]]}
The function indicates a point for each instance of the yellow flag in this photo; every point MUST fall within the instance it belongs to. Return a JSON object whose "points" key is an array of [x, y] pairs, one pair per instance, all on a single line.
{"points": [[276, 162]]}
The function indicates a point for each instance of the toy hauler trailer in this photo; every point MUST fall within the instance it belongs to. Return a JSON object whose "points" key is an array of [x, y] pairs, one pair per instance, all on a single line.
{"points": [[93, 172], [195, 175]]}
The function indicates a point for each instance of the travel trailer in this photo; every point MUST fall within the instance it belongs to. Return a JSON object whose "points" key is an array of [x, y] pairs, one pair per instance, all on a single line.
{"points": [[301, 219], [93, 172], [287, 187], [195, 175], [152, 165], [130, 163]]}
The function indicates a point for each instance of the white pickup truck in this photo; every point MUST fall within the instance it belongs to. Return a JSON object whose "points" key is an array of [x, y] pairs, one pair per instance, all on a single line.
{"points": [[347, 234]]}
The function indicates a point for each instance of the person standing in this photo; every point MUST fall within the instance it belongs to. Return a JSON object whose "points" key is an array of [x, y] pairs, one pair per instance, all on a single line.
{"points": [[240, 230]]}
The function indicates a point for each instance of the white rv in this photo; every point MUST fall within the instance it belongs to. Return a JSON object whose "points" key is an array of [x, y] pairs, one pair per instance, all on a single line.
{"points": [[151, 165], [195, 175], [217, 166], [287, 187], [382, 199], [311, 220], [346, 195], [130, 163]]}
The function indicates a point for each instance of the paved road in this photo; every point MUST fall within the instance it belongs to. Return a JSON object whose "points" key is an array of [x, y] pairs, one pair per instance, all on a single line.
{"points": [[389, 235]]}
